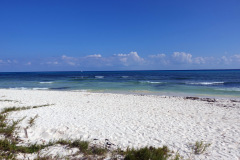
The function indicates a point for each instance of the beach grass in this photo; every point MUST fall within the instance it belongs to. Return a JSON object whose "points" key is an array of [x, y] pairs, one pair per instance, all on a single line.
{"points": [[146, 153], [32, 120], [97, 150], [10, 147], [11, 109], [7, 100], [82, 145], [200, 147], [8, 129], [10, 144]]}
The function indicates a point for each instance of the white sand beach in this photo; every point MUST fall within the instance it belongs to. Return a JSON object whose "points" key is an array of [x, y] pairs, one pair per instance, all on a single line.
{"points": [[130, 120]]}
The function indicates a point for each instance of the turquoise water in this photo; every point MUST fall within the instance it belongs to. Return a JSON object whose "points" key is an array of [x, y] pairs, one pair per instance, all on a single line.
{"points": [[220, 83]]}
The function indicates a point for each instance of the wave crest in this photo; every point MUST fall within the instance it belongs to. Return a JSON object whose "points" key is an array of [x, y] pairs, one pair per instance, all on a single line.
{"points": [[99, 77], [205, 83], [40, 88], [151, 82], [45, 82]]}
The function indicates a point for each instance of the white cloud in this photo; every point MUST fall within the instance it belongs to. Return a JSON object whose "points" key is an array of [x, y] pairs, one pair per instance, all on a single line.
{"points": [[94, 56], [8, 61], [236, 57], [71, 63], [70, 60], [53, 63], [158, 59], [199, 60], [97, 60], [157, 56], [64, 57], [226, 60], [182, 57], [124, 60], [121, 55], [230, 60], [132, 55], [135, 57], [130, 59]]}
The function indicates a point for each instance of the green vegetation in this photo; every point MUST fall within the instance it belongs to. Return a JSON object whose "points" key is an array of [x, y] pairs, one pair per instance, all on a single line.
{"points": [[31, 121], [64, 142], [10, 147], [7, 100], [2, 120], [200, 147], [9, 144], [95, 150], [46, 158], [8, 130], [177, 157], [148, 153], [82, 145], [11, 109]]}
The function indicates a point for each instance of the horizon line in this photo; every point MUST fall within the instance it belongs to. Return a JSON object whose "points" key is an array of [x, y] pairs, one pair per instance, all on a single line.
{"points": [[121, 70]]}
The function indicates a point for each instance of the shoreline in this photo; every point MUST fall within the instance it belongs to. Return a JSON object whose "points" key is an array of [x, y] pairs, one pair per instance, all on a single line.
{"points": [[139, 92], [130, 120]]}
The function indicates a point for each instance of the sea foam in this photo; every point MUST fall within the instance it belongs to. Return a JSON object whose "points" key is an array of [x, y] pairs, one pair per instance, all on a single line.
{"points": [[45, 82], [151, 82], [229, 89], [99, 77], [125, 76], [19, 88], [40, 88], [205, 83]]}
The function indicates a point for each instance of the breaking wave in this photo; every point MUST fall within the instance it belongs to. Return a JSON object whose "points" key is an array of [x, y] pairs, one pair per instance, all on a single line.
{"points": [[151, 82], [45, 82], [40, 88], [205, 83], [99, 77]]}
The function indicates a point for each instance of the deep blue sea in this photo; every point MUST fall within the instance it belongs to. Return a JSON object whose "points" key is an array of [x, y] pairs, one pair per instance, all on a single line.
{"points": [[216, 83]]}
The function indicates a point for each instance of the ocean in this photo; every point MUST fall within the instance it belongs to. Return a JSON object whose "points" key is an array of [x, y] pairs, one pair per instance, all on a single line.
{"points": [[203, 83]]}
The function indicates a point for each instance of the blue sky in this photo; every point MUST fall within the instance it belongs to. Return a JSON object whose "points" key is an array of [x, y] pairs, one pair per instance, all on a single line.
{"points": [[72, 35]]}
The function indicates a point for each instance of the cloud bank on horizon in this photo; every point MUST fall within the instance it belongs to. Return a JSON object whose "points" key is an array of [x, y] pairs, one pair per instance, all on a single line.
{"points": [[122, 61]]}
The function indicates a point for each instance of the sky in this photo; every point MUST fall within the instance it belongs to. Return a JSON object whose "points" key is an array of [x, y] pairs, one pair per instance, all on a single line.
{"points": [[86, 35]]}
